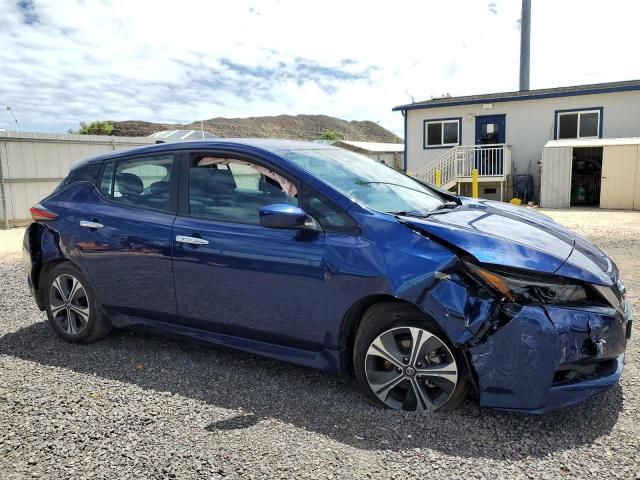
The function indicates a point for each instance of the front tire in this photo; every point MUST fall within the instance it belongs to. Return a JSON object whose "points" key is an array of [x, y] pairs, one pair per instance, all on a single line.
{"points": [[72, 307], [403, 361]]}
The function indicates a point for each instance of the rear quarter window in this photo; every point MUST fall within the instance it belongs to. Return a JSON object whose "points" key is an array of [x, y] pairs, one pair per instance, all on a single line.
{"points": [[83, 173]]}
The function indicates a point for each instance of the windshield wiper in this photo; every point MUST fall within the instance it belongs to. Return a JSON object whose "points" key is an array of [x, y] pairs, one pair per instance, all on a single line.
{"points": [[408, 213], [414, 213], [443, 206]]}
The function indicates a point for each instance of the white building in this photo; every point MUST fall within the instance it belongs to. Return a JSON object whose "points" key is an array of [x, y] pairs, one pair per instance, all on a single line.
{"points": [[503, 134]]}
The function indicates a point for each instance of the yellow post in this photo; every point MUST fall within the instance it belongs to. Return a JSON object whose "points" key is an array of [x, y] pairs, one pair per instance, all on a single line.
{"points": [[438, 178], [474, 183]]}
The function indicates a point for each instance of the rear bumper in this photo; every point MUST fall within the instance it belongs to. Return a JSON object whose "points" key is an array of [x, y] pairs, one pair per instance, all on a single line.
{"points": [[522, 366], [30, 262]]}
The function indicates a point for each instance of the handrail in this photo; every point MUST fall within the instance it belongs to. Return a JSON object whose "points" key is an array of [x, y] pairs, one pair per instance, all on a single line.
{"points": [[492, 160]]}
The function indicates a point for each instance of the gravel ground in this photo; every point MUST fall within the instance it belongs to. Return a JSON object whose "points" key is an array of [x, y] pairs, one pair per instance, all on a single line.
{"points": [[140, 406]]}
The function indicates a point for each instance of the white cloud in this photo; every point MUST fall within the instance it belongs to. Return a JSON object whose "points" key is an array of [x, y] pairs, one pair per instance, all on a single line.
{"points": [[63, 62]]}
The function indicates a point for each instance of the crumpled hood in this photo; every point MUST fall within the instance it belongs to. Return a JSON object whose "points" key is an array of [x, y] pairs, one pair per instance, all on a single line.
{"points": [[502, 234]]}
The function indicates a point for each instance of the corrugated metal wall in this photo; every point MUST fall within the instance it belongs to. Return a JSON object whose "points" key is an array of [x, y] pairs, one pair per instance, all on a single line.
{"points": [[620, 165], [33, 164], [555, 185]]}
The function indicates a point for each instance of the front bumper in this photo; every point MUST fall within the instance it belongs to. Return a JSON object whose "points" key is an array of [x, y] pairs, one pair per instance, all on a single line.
{"points": [[522, 366]]}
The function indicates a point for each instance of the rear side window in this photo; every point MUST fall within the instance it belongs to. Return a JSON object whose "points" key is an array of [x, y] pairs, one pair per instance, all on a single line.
{"points": [[139, 182], [84, 173]]}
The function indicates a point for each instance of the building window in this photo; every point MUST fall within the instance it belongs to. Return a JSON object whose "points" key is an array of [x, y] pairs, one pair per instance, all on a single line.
{"points": [[578, 124], [441, 133]]}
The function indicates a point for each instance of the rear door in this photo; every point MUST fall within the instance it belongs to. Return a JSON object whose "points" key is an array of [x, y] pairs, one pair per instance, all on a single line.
{"points": [[235, 276], [123, 234]]}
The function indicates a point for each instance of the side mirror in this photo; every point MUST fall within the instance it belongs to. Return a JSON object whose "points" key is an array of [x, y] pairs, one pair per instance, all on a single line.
{"points": [[282, 215]]}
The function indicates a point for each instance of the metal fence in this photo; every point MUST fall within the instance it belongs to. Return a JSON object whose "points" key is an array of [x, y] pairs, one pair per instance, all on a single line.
{"points": [[33, 164]]}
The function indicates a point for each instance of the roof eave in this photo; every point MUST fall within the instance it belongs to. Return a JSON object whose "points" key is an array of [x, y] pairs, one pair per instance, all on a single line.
{"points": [[476, 101]]}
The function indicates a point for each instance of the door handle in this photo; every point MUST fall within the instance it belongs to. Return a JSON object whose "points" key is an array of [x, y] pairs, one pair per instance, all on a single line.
{"points": [[90, 224], [191, 240]]}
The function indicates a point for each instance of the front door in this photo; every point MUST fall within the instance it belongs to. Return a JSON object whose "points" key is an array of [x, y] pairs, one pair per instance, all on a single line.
{"points": [[490, 132], [236, 277]]}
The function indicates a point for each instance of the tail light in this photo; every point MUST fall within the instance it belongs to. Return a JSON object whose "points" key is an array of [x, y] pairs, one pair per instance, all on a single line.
{"points": [[38, 212]]}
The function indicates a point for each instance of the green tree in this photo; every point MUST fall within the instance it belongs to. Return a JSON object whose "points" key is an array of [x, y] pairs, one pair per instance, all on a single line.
{"points": [[330, 135], [98, 127]]}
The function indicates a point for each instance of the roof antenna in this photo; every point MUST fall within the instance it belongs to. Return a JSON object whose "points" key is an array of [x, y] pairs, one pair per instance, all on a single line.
{"points": [[10, 110], [410, 96]]}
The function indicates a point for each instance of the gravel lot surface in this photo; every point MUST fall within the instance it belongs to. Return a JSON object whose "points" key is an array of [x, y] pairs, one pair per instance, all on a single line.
{"points": [[140, 406]]}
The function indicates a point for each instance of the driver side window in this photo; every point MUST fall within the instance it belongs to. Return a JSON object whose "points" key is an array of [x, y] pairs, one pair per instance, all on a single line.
{"points": [[233, 190]]}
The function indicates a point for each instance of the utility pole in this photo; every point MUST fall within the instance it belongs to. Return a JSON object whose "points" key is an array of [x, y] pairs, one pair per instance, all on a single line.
{"points": [[525, 44]]}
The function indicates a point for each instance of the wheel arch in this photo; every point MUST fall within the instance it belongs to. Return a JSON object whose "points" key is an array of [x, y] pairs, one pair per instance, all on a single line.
{"points": [[351, 323], [353, 319], [45, 254]]}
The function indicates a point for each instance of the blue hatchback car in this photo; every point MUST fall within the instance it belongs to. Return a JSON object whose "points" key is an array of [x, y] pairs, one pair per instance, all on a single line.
{"points": [[321, 257]]}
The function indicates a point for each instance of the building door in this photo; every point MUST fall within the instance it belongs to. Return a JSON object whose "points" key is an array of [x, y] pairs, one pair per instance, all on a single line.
{"points": [[490, 132], [620, 164], [555, 181]]}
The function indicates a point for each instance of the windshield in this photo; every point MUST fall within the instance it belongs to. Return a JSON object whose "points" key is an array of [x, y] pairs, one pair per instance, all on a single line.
{"points": [[366, 181]]}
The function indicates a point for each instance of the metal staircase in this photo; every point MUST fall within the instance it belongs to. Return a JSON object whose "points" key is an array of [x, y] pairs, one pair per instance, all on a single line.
{"points": [[456, 165]]}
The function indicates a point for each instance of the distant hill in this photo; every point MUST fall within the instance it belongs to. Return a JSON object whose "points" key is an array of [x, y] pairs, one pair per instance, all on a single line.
{"points": [[298, 127]]}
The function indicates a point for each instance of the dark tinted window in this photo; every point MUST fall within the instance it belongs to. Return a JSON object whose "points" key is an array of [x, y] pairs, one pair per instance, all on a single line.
{"points": [[589, 124], [329, 215], [434, 134], [581, 124], [231, 190], [140, 182], [84, 173], [568, 126], [442, 132], [450, 133]]}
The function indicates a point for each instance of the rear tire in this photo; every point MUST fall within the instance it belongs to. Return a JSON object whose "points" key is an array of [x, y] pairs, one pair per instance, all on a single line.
{"points": [[403, 361], [72, 307]]}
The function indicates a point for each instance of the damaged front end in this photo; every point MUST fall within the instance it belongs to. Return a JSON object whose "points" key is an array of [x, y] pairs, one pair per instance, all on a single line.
{"points": [[535, 342]]}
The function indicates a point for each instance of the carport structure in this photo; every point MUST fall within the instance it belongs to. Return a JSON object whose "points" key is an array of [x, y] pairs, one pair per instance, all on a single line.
{"points": [[599, 172]]}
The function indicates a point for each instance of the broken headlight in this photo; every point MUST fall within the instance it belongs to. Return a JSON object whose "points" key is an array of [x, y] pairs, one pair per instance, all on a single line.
{"points": [[525, 288]]}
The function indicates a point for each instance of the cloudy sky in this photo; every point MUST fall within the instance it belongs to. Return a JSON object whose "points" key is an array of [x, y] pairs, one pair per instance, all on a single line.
{"points": [[66, 61]]}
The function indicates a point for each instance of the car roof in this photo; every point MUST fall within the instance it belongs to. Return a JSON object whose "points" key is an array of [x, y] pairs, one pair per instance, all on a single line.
{"points": [[272, 145]]}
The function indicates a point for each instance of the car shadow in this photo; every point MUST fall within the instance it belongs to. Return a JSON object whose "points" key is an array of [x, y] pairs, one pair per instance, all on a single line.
{"points": [[263, 389]]}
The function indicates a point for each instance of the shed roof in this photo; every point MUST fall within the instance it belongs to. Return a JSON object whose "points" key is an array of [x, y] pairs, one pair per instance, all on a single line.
{"points": [[373, 146], [594, 88], [592, 142], [177, 135]]}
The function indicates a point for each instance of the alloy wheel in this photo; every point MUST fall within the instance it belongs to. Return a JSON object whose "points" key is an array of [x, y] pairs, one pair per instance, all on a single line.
{"points": [[69, 304], [409, 368]]}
